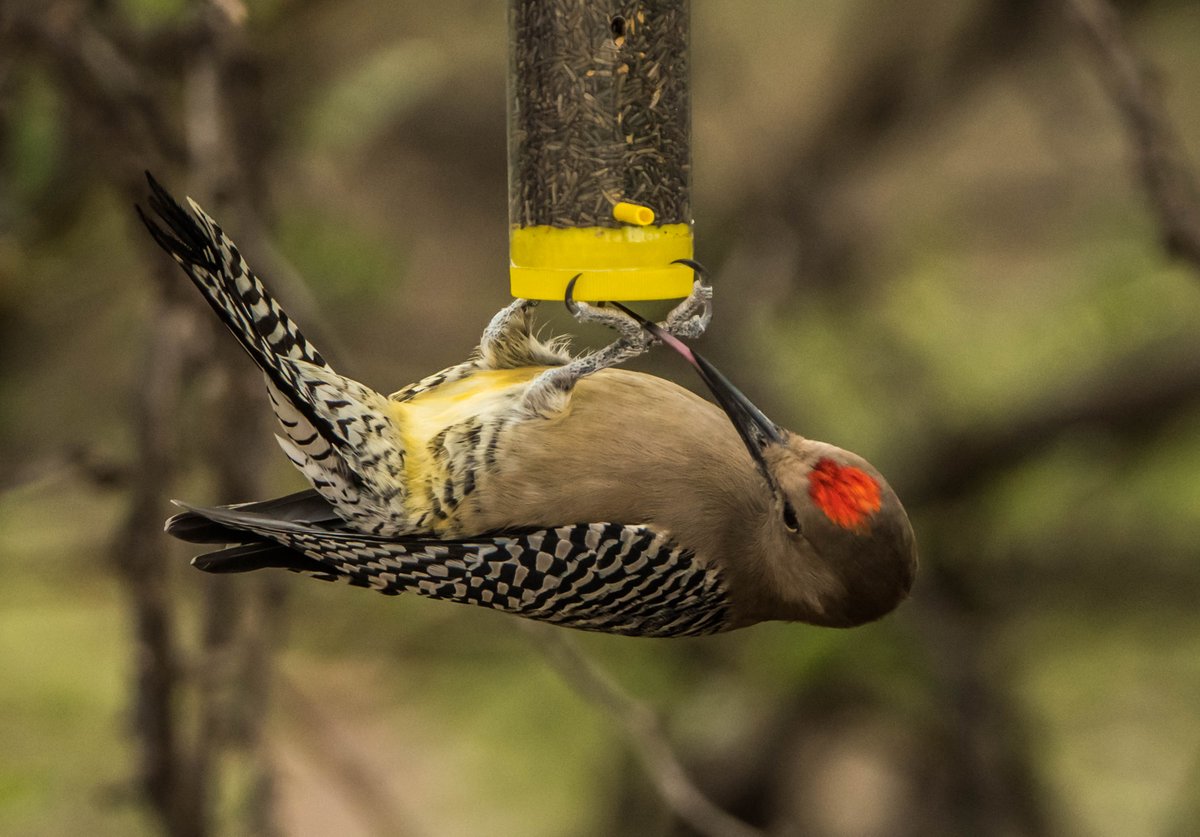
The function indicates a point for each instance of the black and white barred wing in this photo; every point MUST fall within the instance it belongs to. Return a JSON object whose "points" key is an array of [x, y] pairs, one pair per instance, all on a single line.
{"points": [[604, 577]]}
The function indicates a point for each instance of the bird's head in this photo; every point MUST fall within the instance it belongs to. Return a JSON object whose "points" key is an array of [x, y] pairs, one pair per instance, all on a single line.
{"points": [[844, 550], [838, 547]]}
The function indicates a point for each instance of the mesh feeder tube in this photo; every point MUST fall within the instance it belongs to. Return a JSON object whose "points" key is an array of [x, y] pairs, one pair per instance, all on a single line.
{"points": [[599, 149]]}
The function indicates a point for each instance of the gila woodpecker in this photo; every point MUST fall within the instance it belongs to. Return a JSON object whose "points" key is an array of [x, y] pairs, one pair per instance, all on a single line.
{"points": [[553, 487]]}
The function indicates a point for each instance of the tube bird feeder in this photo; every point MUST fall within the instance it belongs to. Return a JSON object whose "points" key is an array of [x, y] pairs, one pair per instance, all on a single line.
{"points": [[599, 149]]}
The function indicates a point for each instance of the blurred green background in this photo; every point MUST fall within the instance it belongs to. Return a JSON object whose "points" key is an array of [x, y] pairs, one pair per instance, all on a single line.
{"points": [[930, 245]]}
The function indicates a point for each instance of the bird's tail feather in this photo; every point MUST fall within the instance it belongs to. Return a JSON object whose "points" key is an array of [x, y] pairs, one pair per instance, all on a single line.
{"points": [[254, 550], [259, 556], [321, 412], [304, 506], [217, 268], [242, 302]]}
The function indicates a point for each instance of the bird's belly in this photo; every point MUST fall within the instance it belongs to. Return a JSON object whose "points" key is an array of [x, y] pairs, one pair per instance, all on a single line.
{"points": [[483, 393], [441, 431]]}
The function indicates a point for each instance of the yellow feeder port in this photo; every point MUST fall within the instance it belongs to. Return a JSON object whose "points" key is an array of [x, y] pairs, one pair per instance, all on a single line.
{"points": [[599, 149], [632, 213]]}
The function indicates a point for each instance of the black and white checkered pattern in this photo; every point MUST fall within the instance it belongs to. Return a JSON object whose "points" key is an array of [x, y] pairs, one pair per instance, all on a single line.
{"points": [[593, 576]]}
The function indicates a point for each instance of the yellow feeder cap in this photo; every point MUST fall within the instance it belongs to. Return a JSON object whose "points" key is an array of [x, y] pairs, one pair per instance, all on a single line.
{"points": [[622, 263]]}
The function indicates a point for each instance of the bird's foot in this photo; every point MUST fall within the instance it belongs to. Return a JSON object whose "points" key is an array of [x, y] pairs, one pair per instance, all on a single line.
{"points": [[513, 320], [687, 319], [633, 339], [691, 317], [510, 341]]}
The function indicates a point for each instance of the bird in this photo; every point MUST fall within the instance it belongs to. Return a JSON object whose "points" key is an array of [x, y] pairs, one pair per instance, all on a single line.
{"points": [[555, 487]]}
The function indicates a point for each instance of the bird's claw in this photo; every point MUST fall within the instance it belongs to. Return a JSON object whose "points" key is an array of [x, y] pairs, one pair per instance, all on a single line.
{"points": [[632, 334], [691, 317], [569, 296], [688, 319]]}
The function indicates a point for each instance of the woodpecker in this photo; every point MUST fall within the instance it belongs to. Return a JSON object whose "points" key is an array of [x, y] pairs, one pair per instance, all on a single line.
{"points": [[553, 487]]}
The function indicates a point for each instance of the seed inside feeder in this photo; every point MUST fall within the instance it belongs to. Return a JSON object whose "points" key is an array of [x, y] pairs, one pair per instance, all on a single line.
{"points": [[599, 116]]}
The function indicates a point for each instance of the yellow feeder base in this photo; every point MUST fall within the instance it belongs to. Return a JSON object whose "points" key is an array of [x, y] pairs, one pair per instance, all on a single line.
{"points": [[623, 263]]}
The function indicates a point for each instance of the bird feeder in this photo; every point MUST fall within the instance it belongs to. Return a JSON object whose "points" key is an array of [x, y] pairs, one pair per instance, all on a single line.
{"points": [[599, 149]]}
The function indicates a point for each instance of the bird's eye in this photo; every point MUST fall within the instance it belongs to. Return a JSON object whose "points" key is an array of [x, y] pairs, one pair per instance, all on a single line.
{"points": [[789, 518]]}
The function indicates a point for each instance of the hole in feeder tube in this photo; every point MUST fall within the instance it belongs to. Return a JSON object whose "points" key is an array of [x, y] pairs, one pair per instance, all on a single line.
{"points": [[617, 27]]}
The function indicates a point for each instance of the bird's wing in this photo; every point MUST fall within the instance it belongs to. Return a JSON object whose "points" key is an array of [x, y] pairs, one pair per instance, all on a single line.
{"points": [[605, 577]]}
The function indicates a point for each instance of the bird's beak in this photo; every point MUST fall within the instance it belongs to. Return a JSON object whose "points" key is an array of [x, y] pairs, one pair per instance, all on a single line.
{"points": [[757, 431]]}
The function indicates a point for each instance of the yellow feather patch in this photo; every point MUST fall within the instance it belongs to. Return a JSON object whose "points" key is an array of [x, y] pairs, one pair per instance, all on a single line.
{"points": [[478, 396]]}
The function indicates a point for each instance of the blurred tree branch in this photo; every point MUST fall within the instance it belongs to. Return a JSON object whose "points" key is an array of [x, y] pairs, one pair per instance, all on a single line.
{"points": [[369, 796], [102, 70], [97, 73], [139, 558], [641, 728], [102, 86], [1131, 400], [1146, 391], [1131, 84], [240, 619], [75, 462], [896, 73]]}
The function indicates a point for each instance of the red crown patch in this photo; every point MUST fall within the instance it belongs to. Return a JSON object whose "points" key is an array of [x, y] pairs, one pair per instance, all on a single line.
{"points": [[847, 495]]}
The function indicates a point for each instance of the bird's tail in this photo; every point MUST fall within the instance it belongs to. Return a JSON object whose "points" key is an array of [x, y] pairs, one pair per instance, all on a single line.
{"points": [[302, 507], [252, 551], [216, 267], [337, 429]]}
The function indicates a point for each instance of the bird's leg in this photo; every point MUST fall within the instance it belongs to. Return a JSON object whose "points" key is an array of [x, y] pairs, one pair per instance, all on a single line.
{"points": [[547, 392], [688, 319], [633, 340], [691, 317], [507, 326], [509, 340]]}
